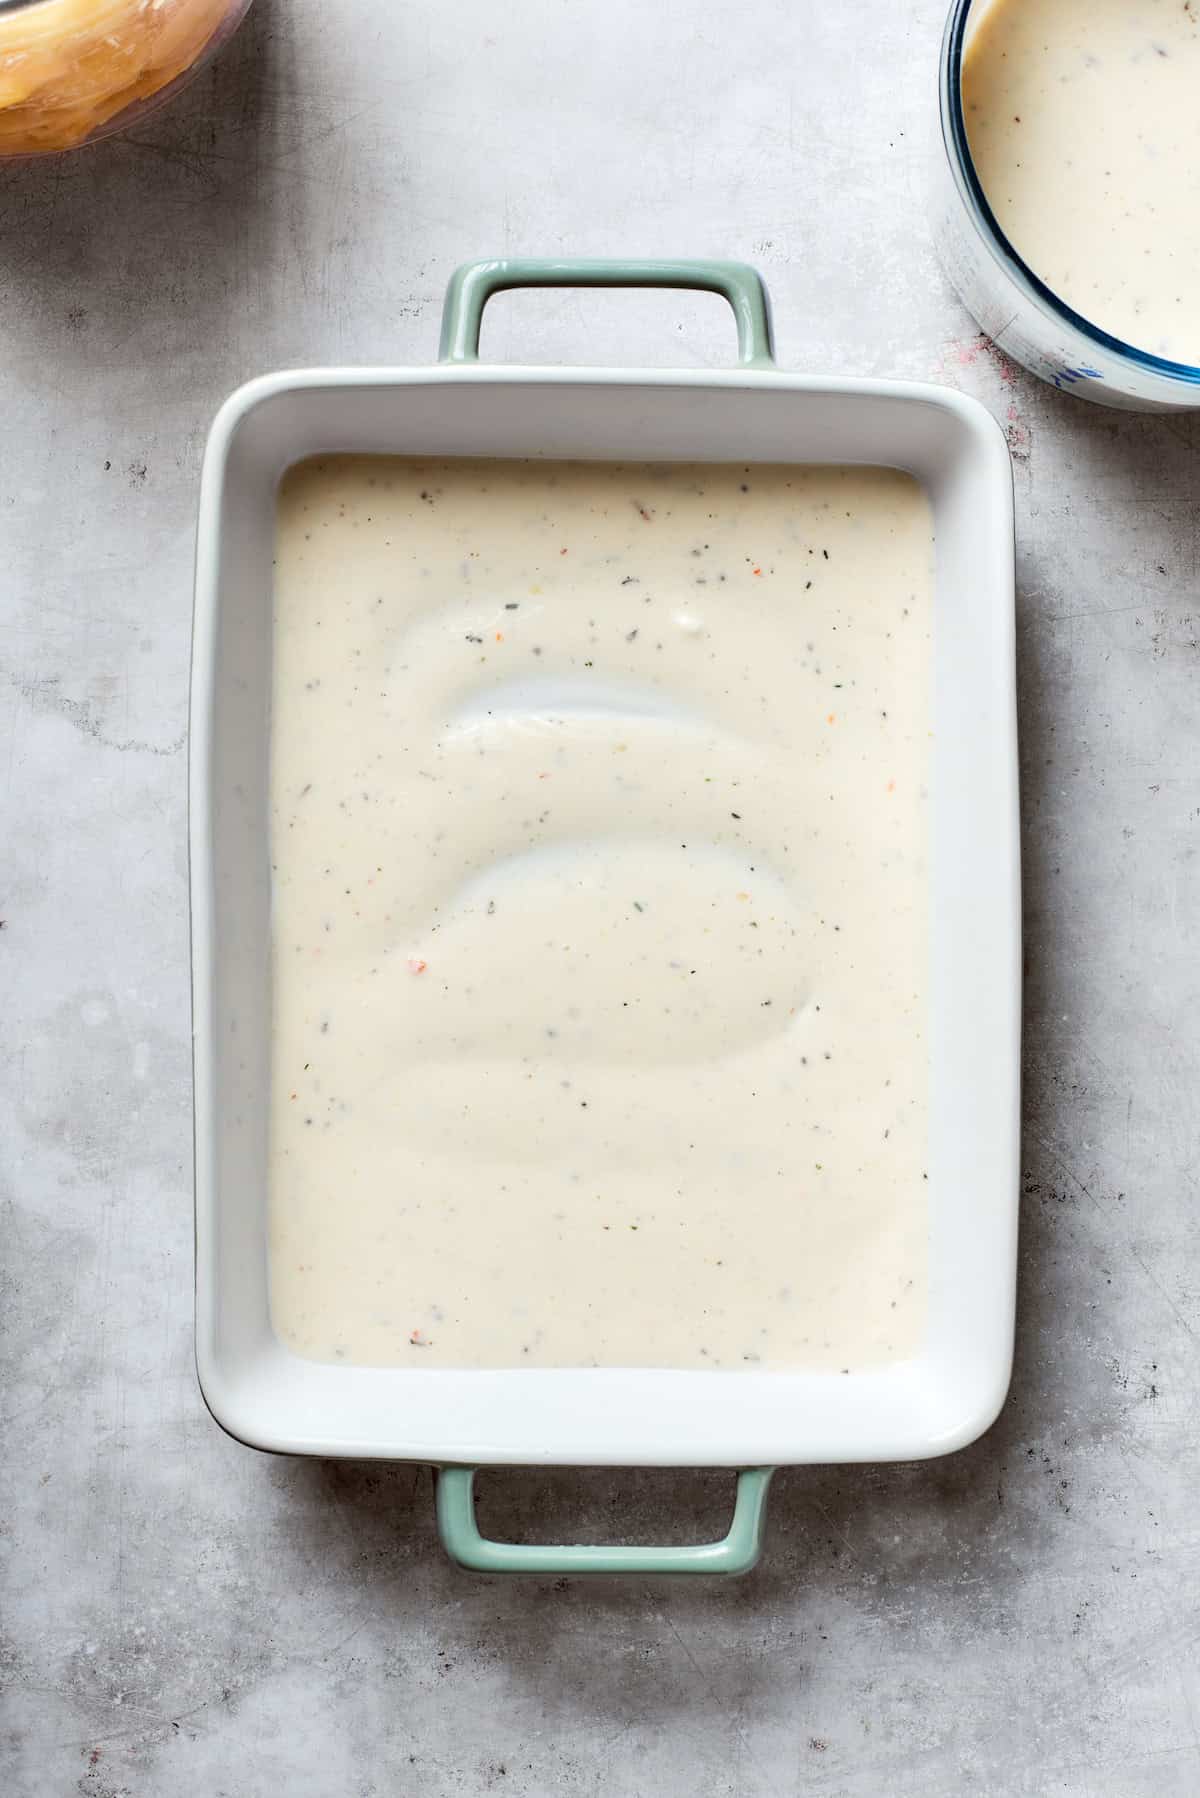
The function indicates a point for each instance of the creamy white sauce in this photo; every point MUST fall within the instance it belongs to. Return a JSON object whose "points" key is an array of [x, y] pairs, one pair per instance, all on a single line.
{"points": [[599, 838], [1083, 118]]}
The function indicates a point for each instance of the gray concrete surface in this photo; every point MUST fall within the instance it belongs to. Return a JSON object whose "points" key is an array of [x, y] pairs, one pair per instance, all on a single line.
{"points": [[185, 1618]]}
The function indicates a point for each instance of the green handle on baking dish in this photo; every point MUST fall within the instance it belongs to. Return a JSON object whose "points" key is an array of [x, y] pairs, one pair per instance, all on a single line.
{"points": [[735, 1553], [472, 286]]}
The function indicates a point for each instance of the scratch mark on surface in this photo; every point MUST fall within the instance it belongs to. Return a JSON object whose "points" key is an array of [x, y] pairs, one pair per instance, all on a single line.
{"points": [[1073, 1177], [707, 1683], [1097, 612], [840, 1534]]}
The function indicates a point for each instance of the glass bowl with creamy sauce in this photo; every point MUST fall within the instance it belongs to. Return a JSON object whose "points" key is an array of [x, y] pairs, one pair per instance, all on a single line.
{"points": [[1068, 204], [72, 71]]}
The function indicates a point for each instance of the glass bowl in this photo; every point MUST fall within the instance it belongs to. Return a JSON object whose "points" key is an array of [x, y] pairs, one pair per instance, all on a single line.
{"points": [[73, 71], [1018, 311]]}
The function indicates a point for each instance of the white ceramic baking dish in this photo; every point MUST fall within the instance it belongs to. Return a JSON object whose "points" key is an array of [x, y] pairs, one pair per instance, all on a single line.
{"points": [[458, 1420]]}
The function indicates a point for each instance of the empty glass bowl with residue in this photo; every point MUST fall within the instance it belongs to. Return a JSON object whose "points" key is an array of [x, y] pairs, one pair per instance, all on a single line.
{"points": [[72, 71]]}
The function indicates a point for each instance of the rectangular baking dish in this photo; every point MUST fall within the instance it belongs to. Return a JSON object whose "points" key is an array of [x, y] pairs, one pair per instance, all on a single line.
{"points": [[752, 1421]]}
